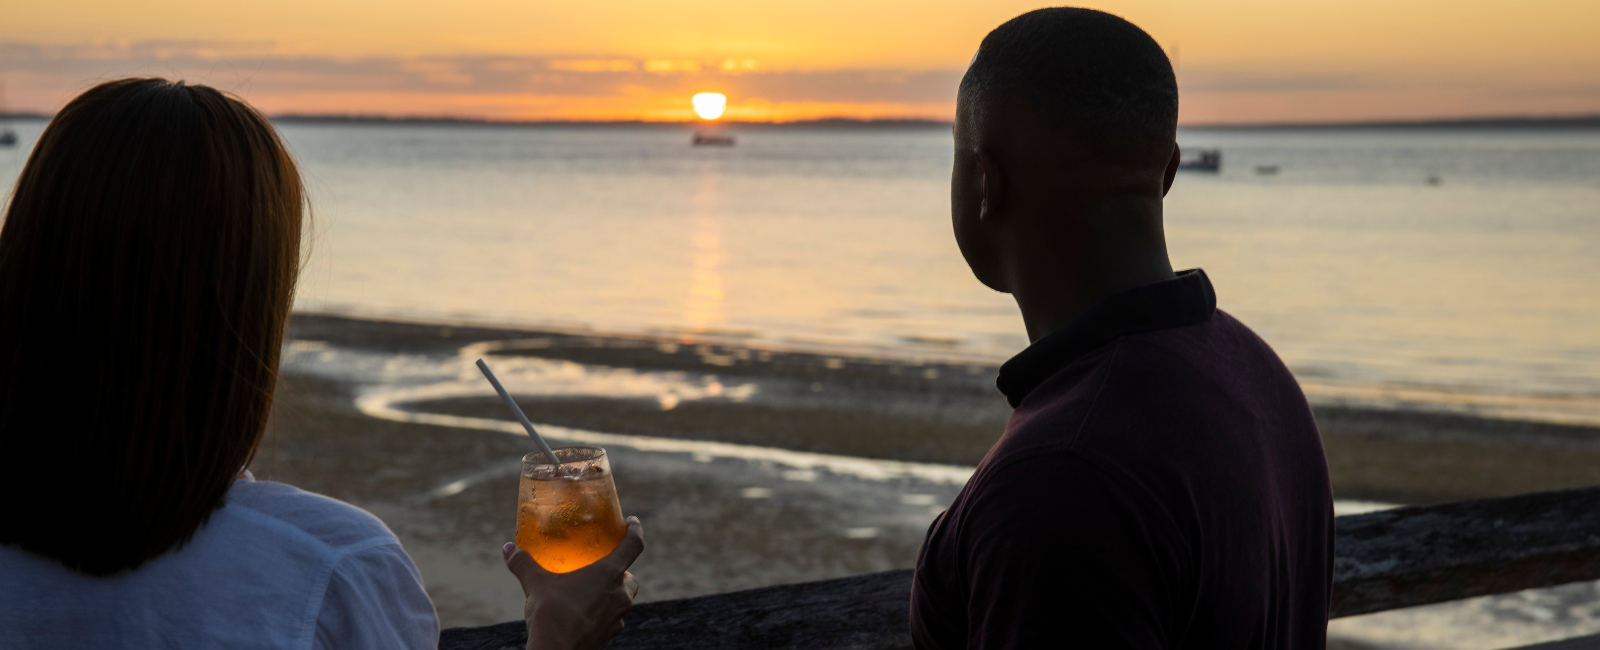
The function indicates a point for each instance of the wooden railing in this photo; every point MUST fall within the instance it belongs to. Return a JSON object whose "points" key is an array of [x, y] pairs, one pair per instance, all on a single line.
{"points": [[1416, 556], [1384, 560]]}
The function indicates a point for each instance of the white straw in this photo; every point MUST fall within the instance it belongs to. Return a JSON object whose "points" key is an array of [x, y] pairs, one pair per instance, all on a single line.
{"points": [[516, 410]]}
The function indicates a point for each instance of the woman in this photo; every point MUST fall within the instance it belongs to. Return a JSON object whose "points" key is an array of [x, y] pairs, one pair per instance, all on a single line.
{"points": [[147, 265]]}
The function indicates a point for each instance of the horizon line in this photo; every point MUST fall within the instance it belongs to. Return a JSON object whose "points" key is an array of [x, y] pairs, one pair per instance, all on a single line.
{"points": [[1584, 120], [1531, 121]]}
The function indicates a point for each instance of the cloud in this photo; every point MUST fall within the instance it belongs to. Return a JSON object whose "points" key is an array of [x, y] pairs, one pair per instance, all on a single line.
{"points": [[1237, 81], [282, 78], [583, 65], [259, 69]]}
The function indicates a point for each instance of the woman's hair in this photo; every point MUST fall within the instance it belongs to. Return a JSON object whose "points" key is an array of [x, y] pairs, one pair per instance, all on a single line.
{"points": [[147, 264]]}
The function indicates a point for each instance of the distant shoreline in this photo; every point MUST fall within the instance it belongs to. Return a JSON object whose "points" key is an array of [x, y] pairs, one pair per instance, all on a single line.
{"points": [[1515, 123], [446, 120], [1485, 123]]}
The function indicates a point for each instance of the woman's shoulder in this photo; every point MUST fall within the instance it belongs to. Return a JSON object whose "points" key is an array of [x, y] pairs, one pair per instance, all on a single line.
{"points": [[315, 517], [275, 565], [374, 596]]}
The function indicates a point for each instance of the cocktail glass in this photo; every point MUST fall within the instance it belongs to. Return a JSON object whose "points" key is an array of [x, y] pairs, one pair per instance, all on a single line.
{"points": [[568, 515]]}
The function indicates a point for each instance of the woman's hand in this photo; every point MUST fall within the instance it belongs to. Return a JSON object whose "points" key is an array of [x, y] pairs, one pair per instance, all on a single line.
{"points": [[580, 610]]}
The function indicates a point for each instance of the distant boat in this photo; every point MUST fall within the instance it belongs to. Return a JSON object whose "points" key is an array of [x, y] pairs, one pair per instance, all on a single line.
{"points": [[1266, 170], [1210, 160], [712, 140]]}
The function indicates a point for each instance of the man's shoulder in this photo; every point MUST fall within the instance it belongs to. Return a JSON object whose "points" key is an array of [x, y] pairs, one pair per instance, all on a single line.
{"points": [[1054, 510], [1053, 413], [1217, 372], [1056, 476], [1127, 399], [1217, 353], [1129, 376], [1220, 351], [1219, 332]]}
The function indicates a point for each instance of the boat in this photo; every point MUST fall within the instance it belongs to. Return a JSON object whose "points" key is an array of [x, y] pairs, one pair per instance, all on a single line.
{"points": [[712, 140], [1210, 160]]}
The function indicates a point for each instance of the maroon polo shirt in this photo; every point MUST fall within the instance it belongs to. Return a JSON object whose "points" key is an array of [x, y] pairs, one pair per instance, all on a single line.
{"points": [[1160, 485]]}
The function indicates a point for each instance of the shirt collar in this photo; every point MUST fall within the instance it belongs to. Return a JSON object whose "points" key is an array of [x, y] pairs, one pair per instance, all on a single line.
{"points": [[1185, 299]]}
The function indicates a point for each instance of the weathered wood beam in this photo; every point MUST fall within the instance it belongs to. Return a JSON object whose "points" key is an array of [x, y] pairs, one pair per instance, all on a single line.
{"points": [[1417, 556], [867, 612], [1576, 643], [1385, 560]]}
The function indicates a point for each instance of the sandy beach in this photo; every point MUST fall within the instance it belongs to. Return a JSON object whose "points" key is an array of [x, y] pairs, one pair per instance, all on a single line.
{"points": [[749, 466]]}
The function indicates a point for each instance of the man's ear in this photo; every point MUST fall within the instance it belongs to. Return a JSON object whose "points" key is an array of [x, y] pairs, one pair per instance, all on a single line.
{"points": [[991, 185], [1172, 170]]}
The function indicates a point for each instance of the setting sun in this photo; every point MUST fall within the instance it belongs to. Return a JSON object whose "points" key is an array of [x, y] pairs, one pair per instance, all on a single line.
{"points": [[709, 105]]}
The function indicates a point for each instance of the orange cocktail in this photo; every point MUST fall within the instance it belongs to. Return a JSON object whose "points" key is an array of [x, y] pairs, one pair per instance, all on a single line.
{"points": [[568, 516]]}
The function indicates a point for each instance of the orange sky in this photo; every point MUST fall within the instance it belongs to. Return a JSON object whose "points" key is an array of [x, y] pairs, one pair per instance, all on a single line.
{"points": [[1238, 60]]}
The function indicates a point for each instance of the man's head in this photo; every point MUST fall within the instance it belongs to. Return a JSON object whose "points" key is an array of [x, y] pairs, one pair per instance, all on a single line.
{"points": [[1065, 146]]}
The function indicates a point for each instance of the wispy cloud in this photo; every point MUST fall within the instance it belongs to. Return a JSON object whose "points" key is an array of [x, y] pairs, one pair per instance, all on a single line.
{"points": [[1231, 81], [649, 88], [283, 78]]}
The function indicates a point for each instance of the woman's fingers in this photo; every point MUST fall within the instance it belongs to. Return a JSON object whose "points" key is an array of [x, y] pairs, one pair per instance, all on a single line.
{"points": [[583, 609], [628, 549], [524, 568], [616, 563], [621, 603], [601, 636]]}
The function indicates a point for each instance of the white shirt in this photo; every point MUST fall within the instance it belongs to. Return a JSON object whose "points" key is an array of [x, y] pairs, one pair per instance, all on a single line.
{"points": [[276, 567]]}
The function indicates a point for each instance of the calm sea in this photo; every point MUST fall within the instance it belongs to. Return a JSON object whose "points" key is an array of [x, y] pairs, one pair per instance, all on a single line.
{"points": [[1429, 269]]}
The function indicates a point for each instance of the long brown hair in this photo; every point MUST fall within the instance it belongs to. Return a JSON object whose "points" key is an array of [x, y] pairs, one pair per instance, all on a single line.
{"points": [[147, 266]]}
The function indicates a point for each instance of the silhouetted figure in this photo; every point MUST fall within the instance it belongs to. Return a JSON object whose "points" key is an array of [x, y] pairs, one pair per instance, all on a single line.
{"points": [[1161, 483]]}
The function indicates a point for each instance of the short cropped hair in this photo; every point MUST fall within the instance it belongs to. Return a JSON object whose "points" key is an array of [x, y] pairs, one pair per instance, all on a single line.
{"points": [[1079, 69], [147, 264]]}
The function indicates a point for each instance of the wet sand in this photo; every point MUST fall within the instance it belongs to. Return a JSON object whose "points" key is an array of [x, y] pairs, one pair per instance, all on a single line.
{"points": [[713, 525], [707, 533], [1412, 458], [718, 520]]}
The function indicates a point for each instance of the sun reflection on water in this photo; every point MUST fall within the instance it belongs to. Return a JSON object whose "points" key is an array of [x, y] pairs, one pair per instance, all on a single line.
{"points": [[703, 310]]}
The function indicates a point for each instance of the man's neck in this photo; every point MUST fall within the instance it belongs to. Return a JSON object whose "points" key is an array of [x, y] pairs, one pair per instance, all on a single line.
{"points": [[1050, 302]]}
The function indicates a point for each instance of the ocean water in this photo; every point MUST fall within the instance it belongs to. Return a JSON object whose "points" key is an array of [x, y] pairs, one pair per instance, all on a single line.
{"points": [[1474, 291]]}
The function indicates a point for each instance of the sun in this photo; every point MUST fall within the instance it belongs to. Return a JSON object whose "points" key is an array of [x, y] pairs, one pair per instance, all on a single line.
{"points": [[709, 105]]}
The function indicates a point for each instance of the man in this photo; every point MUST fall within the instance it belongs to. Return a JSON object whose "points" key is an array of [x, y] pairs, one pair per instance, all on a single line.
{"points": [[1161, 483]]}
